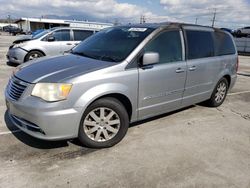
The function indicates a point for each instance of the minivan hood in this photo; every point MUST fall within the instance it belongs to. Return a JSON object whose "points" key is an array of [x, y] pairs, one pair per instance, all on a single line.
{"points": [[55, 69]]}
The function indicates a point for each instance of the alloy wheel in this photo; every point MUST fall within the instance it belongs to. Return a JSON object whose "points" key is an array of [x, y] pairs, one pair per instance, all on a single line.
{"points": [[101, 124]]}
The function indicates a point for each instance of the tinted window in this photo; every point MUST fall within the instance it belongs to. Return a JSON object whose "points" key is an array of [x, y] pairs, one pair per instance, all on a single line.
{"points": [[200, 44], [112, 44], [80, 35], [62, 35], [223, 44], [168, 45]]}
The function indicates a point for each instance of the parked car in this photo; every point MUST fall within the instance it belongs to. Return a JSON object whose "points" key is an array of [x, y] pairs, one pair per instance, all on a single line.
{"points": [[50, 42], [245, 31], [13, 30], [118, 76]]}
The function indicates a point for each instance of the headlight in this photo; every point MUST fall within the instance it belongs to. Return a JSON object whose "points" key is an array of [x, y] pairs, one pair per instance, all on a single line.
{"points": [[51, 92], [19, 45]]}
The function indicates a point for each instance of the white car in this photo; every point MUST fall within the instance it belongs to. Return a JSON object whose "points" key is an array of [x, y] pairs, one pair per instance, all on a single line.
{"points": [[244, 31]]}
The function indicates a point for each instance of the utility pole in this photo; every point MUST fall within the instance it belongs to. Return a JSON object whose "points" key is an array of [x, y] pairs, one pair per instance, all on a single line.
{"points": [[9, 19], [196, 21], [214, 17], [142, 19]]}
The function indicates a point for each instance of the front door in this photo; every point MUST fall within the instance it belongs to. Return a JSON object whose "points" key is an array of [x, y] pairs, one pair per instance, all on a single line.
{"points": [[161, 86], [62, 42]]}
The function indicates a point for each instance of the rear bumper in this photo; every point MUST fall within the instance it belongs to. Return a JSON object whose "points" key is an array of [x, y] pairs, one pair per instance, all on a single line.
{"points": [[16, 55]]}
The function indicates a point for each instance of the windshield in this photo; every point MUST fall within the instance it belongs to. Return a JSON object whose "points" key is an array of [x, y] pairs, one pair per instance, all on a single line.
{"points": [[37, 36], [112, 44]]}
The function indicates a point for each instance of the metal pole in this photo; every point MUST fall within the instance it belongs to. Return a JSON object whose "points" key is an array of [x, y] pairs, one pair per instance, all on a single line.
{"points": [[213, 21]]}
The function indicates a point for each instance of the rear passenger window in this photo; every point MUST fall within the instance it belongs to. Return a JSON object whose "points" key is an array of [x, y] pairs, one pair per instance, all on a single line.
{"points": [[223, 44], [200, 44], [80, 35], [168, 45]]}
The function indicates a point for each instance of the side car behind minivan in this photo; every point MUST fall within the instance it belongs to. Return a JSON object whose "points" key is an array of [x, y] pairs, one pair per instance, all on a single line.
{"points": [[118, 76]]}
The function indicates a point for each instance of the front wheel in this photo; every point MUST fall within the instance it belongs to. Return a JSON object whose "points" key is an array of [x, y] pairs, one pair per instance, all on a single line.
{"points": [[33, 55], [104, 123], [219, 94]]}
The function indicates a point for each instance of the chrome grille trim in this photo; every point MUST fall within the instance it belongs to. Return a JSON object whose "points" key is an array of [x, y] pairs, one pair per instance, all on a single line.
{"points": [[16, 87]]}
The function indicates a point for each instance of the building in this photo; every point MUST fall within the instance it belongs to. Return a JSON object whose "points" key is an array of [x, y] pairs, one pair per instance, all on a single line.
{"points": [[32, 24]]}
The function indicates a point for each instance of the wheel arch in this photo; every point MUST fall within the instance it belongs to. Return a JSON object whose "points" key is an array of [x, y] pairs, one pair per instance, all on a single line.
{"points": [[33, 51], [228, 78], [118, 91], [121, 98]]}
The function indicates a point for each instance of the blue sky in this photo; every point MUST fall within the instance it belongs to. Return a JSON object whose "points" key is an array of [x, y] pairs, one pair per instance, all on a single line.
{"points": [[229, 13]]}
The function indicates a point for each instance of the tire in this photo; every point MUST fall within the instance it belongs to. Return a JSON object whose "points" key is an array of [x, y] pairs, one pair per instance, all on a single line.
{"points": [[219, 94], [104, 123], [33, 55]]}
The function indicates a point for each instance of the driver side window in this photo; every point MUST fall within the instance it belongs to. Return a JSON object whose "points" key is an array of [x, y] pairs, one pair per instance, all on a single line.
{"points": [[168, 45]]}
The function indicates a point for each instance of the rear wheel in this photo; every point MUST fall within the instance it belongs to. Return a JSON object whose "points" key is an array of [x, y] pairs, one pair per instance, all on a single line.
{"points": [[219, 93], [104, 123], [33, 55]]}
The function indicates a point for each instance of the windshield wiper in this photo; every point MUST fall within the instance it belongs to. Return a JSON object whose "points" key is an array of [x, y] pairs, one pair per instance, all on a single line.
{"points": [[108, 58], [84, 54]]}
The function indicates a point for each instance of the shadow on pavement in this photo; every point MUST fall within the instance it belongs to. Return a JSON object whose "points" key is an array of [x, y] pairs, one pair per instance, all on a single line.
{"points": [[42, 144], [160, 116], [11, 64]]}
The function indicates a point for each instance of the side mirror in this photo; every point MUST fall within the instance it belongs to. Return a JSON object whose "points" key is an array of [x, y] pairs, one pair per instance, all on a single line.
{"points": [[150, 58], [51, 39]]}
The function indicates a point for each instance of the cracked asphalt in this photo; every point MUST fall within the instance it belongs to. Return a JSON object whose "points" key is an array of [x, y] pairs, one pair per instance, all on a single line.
{"points": [[193, 147]]}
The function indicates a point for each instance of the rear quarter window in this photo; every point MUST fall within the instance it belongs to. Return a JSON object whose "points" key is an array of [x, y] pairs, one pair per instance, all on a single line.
{"points": [[80, 35], [200, 44], [223, 44]]}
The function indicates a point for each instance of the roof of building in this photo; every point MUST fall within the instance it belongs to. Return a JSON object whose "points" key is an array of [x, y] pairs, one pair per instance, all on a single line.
{"points": [[59, 21]]}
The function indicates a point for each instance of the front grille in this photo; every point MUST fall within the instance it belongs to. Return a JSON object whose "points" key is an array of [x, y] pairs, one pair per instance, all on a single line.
{"points": [[16, 88]]}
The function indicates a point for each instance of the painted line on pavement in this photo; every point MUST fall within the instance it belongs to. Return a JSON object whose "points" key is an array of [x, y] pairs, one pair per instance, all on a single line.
{"points": [[238, 93], [9, 132]]}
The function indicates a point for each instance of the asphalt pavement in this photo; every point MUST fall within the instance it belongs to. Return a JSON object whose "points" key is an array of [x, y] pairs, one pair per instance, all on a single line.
{"points": [[193, 147]]}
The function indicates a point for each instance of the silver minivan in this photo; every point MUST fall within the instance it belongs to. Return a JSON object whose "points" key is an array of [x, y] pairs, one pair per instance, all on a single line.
{"points": [[50, 42], [118, 76]]}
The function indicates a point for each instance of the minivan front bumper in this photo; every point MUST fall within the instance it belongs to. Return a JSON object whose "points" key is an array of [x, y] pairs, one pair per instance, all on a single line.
{"points": [[45, 123], [16, 55]]}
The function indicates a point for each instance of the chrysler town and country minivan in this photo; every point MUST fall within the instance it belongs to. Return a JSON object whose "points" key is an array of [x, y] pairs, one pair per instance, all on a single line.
{"points": [[118, 76], [50, 42]]}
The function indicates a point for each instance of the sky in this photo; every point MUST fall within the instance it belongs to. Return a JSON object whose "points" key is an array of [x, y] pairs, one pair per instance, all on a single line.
{"points": [[229, 13]]}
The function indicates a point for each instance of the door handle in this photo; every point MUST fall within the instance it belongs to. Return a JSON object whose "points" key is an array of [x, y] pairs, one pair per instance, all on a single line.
{"points": [[69, 44], [179, 70], [193, 68]]}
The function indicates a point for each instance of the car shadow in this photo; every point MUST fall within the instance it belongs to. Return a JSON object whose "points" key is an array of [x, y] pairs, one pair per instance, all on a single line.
{"points": [[42, 144], [11, 64], [160, 116]]}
